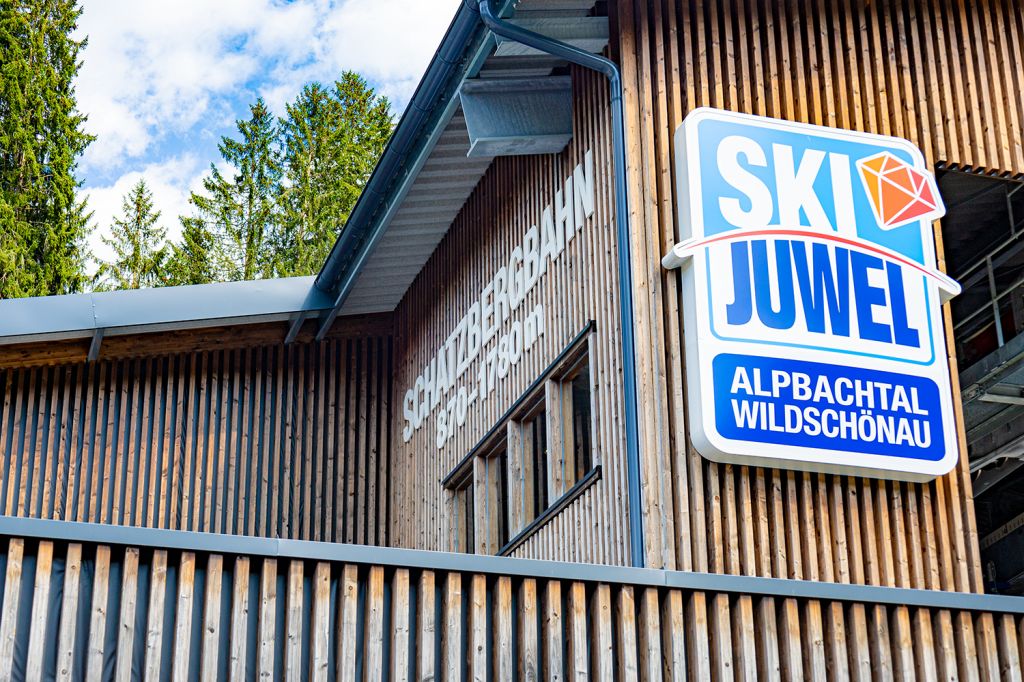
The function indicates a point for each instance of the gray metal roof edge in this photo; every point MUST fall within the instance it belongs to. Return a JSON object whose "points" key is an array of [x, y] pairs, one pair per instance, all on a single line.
{"points": [[51, 318], [276, 548]]}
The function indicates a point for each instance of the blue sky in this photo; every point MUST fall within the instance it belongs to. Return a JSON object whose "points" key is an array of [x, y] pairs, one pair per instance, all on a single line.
{"points": [[162, 82]]}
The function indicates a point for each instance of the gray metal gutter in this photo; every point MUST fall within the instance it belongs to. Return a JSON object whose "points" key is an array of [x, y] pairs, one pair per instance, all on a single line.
{"points": [[611, 71], [76, 316], [123, 536]]}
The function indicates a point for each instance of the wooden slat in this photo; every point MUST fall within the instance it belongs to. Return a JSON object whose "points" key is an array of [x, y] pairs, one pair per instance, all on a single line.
{"points": [[293, 622], [426, 627], [239, 623], [552, 664], [40, 605], [578, 662], [185, 441], [649, 635], [155, 614], [603, 633], [210, 641], [673, 636], [451, 638], [504, 619], [374, 654], [400, 648], [1009, 649], [66, 633], [529, 637], [265, 638], [183, 616], [625, 616], [478, 628], [98, 617], [320, 625], [602, 627], [348, 622], [126, 621]]}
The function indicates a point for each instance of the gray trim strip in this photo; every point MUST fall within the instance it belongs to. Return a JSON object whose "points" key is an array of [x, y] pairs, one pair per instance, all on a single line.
{"points": [[553, 510], [68, 531], [109, 313]]}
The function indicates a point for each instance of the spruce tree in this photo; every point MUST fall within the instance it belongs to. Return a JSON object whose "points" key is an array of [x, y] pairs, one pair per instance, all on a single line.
{"points": [[138, 243], [43, 224], [193, 261], [332, 139], [240, 211]]}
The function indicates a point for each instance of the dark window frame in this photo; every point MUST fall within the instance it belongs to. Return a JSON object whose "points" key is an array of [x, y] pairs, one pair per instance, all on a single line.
{"points": [[544, 400]]}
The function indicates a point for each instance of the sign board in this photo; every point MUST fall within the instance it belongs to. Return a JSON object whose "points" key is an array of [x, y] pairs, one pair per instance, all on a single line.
{"points": [[812, 300]]}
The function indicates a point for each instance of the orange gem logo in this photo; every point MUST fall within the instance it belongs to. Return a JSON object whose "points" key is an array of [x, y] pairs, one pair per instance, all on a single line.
{"points": [[898, 192]]}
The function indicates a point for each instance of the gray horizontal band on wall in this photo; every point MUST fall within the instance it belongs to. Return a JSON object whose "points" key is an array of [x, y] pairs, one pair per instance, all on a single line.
{"points": [[68, 531]]}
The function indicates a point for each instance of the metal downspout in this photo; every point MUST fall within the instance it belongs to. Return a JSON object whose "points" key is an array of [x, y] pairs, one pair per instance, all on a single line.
{"points": [[611, 71]]}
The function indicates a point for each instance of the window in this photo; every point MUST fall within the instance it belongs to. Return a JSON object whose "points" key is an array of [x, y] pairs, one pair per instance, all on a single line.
{"points": [[572, 396], [490, 476], [535, 461], [528, 466], [463, 517]]}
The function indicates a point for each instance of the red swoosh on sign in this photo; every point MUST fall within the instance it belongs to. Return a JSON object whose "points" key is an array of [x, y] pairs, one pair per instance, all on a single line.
{"points": [[948, 287]]}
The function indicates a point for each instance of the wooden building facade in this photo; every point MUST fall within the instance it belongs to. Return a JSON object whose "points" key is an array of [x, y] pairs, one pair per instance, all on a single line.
{"points": [[218, 435], [193, 504]]}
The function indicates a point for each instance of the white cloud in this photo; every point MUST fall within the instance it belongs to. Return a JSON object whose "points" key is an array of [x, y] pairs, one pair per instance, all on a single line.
{"points": [[171, 181], [157, 69], [158, 77], [388, 41]]}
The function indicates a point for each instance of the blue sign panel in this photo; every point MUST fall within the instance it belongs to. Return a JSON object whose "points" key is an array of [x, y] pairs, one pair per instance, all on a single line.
{"points": [[812, 300]]}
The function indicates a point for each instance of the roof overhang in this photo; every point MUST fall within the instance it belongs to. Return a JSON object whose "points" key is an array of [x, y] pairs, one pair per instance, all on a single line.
{"points": [[404, 213], [77, 316]]}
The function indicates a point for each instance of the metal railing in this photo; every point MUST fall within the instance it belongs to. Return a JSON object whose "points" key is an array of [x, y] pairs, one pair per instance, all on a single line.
{"points": [[103, 602]]}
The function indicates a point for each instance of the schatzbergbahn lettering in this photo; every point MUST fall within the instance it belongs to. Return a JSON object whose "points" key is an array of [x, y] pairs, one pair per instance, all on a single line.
{"points": [[497, 329], [812, 300]]}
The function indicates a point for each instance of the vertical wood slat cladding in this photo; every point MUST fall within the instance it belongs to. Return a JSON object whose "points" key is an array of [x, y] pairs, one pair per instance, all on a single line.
{"points": [[579, 287], [946, 75], [89, 611], [943, 74], [277, 441]]}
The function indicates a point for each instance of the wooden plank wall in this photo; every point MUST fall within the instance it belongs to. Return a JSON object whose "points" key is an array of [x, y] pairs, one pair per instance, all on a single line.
{"points": [[279, 441], [945, 74], [82, 611], [580, 287]]}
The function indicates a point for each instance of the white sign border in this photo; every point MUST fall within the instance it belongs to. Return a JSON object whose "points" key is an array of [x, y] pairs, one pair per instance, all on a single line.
{"points": [[700, 389]]}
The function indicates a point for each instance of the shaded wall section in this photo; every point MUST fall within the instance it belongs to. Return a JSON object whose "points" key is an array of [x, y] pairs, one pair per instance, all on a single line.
{"points": [[273, 440], [577, 288]]}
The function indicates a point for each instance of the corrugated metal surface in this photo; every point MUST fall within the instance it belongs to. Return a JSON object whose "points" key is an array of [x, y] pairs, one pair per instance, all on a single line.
{"points": [[276, 441], [441, 188], [446, 180]]}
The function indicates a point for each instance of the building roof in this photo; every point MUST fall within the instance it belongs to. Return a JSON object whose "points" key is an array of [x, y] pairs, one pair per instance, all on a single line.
{"points": [[52, 318]]}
